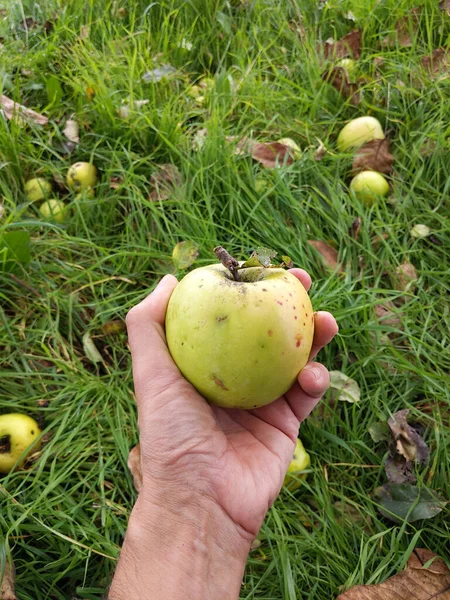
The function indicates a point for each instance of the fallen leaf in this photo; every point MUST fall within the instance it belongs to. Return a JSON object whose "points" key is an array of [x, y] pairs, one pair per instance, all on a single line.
{"points": [[405, 277], [350, 16], [7, 584], [155, 75], [90, 349], [261, 257], [388, 314], [124, 111], [405, 30], [329, 254], [346, 389], [419, 581], [379, 432], [288, 263], [438, 62], [373, 156], [320, 152], [400, 502], [13, 110], [84, 32], [398, 470], [355, 228], [339, 79], [347, 512], [408, 442], [115, 182], [420, 231], [113, 327], [134, 464], [445, 5], [199, 139], [184, 254], [164, 181], [272, 154], [72, 131], [349, 45]]}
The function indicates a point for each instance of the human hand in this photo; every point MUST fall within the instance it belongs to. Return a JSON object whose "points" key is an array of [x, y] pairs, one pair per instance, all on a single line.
{"points": [[197, 458]]}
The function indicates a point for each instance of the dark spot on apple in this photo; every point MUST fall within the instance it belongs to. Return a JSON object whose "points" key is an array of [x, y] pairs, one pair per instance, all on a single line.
{"points": [[221, 319], [5, 444], [182, 343], [264, 289], [219, 382], [295, 317], [293, 307], [306, 314], [255, 406], [200, 286], [32, 432], [280, 303], [304, 324], [290, 294], [270, 333], [262, 345], [298, 343]]}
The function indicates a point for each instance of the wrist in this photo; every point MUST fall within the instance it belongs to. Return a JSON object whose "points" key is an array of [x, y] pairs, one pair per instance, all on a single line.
{"points": [[181, 548]]}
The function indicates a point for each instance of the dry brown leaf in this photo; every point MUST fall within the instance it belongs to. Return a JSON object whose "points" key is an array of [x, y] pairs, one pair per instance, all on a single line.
{"points": [[349, 45], [407, 440], [7, 584], [404, 27], [414, 583], [438, 62], [272, 154], [321, 151], [72, 131], [164, 181], [134, 464], [388, 315], [329, 254], [339, 79], [373, 156], [355, 228], [115, 182], [445, 5], [23, 114], [406, 275]]}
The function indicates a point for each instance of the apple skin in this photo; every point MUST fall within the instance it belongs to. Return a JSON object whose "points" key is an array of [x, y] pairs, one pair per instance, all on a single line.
{"points": [[81, 176], [348, 64], [37, 189], [54, 210], [300, 461], [22, 431], [241, 344], [297, 154], [358, 132], [367, 186]]}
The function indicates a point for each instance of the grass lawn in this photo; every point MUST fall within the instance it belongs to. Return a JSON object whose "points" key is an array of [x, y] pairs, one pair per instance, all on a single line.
{"points": [[63, 517]]}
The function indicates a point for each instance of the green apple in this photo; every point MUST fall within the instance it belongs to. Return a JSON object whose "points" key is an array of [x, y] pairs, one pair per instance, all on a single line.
{"points": [[37, 189], [241, 344], [297, 154], [81, 176], [348, 64], [300, 461], [358, 132], [54, 210], [17, 434], [367, 186]]}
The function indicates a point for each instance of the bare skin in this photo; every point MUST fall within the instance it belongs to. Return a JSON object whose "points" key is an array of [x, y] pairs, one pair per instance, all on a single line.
{"points": [[209, 474]]}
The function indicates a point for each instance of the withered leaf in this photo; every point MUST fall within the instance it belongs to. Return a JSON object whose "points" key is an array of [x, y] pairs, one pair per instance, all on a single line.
{"points": [[408, 442], [349, 45], [344, 388], [287, 262], [405, 30], [400, 502], [23, 114], [164, 181], [113, 327], [72, 131], [90, 349], [398, 470], [438, 62], [329, 254], [405, 277], [7, 584], [415, 582], [320, 152], [134, 464], [272, 154], [445, 5], [339, 79], [373, 156], [355, 228], [184, 254], [388, 315]]}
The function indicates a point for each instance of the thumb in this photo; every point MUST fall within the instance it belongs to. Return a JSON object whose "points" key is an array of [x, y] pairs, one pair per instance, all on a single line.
{"points": [[153, 366]]}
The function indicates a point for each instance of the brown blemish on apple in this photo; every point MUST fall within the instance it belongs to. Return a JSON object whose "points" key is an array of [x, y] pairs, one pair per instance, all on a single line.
{"points": [[280, 303], [5, 444], [295, 317], [293, 307], [219, 382], [221, 319], [264, 289], [299, 340], [270, 333]]}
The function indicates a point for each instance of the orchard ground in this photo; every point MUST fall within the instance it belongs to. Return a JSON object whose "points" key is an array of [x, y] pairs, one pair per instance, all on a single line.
{"points": [[63, 518]]}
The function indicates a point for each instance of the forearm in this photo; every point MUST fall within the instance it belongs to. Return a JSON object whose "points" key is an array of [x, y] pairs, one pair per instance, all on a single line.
{"points": [[194, 552]]}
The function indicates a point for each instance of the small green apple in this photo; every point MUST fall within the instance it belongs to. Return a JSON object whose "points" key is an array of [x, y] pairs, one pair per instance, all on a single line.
{"points": [[297, 154], [54, 210], [368, 186], [242, 343], [82, 175], [358, 132], [348, 64], [17, 433], [37, 189], [300, 461]]}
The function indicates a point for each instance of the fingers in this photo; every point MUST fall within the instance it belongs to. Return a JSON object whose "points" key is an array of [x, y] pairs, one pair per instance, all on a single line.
{"points": [[325, 328], [303, 276], [145, 324], [313, 381]]}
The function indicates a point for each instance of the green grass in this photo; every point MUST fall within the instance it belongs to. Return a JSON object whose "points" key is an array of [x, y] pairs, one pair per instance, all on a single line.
{"points": [[63, 518]]}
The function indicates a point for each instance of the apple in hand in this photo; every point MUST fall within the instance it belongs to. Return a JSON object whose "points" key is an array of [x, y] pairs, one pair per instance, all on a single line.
{"points": [[367, 186], [17, 434], [358, 132], [300, 461], [242, 343], [81, 176], [37, 189]]}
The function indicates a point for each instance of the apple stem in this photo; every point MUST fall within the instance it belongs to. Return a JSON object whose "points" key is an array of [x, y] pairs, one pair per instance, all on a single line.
{"points": [[228, 261]]}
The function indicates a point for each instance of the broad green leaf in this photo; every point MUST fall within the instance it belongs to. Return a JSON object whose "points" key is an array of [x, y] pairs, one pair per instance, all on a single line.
{"points": [[54, 90], [407, 502], [380, 432], [14, 249], [184, 254], [344, 388]]}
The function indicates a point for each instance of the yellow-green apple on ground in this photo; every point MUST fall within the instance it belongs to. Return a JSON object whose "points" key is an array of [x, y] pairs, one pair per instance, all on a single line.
{"points": [[300, 461], [358, 132], [367, 186], [54, 210], [81, 176], [242, 343], [17, 434], [37, 189]]}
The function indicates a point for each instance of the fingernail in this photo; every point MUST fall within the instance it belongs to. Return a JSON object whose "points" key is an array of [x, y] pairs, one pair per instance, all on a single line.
{"points": [[316, 372]]}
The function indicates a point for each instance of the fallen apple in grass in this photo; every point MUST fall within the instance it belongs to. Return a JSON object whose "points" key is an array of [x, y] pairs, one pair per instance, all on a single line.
{"points": [[17, 434], [240, 334], [348, 64], [358, 132], [81, 176], [367, 186], [37, 189], [295, 473], [297, 153], [54, 210]]}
